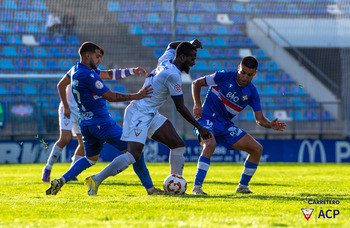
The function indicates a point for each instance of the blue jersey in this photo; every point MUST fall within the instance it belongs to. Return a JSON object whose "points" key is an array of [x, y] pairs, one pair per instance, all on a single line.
{"points": [[88, 88], [225, 98]]}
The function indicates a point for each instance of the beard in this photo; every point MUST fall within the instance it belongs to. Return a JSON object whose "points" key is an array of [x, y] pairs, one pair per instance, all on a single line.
{"points": [[186, 69]]}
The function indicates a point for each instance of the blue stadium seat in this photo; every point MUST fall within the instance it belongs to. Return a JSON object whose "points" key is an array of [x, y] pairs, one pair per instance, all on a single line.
{"points": [[39, 5], [285, 78], [41, 102], [260, 54], [200, 65], [297, 102], [279, 8], [284, 90], [249, 116], [153, 18], [180, 30], [195, 18], [4, 28], [6, 64], [215, 65], [235, 30], [14, 89], [305, 9], [70, 52], [298, 90], [167, 6], [210, 7], [44, 40], [162, 41], [238, 8], [10, 52], [229, 66], [282, 102], [261, 66], [270, 78], [219, 42], [320, 9], [10, 4], [258, 78], [217, 53], [265, 8], [54, 52], [292, 9], [58, 40], [17, 28], [197, 7], [29, 89], [51, 64], [21, 64], [233, 42], [128, 6], [221, 30], [231, 53], [155, 7], [252, 8], [113, 6], [269, 90], [311, 103], [203, 54], [36, 64], [139, 18], [237, 19], [165, 30], [311, 115], [2, 90], [65, 64], [136, 29], [247, 42], [207, 29], [148, 41], [268, 102], [32, 28], [6, 16], [183, 7], [151, 29], [181, 18], [72, 40], [193, 30], [3, 41], [209, 18], [206, 41], [14, 40], [36, 16], [24, 5], [225, 7], [125, 17], [165, 17], [142, 6], [44, 88], [20, 16], [39, 52], [325, 115]]}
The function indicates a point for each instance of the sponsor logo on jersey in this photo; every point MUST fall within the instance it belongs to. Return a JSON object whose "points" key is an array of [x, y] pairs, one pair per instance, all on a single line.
{"points": [[98, 84], [177, 88], [86, 116], [95, 96]]}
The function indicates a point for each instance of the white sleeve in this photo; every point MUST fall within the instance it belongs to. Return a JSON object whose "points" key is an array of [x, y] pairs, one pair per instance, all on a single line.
{"points": [[169, 54], [209, 79], [174, 84]]}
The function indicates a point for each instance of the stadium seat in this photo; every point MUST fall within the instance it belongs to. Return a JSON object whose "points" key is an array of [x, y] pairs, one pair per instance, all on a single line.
{"points": [[45, 89], [165, 17], [197, 7], [162, 41], [233, 42], [6, 64], [139, 18], [208, 30], [113, 6], [195, 18], [153, 18], [142, 6], [10, 52], [40, 52], [148, 41], [305, 9], [269, 90], [193, 29], [261, 66], [252, 8], [325, 115], [17, 28], [285, 78], [14, 40], [29, 39], [272, 66], [36, 16], [181, 18], [58, 40], [155, 7], [225, 7], [311, 103], [72, 40], [151, 29], [221, 30], [249, 116], [54, 52], [6, 16], [21, 64], [29, 89], [297, 102], [24, 5], [136, 29], [235, 30], [292, 9], [128, 6], [20, 16], [217, 53], [215, 65], [4, 28], [265, 8], [238, 8], [311, 115], [2, 90], [167, 6], [206, 41], [268, 102], [210, 7], [229, 66], [282, 102], [203, 54], [209, 18], [200, 65], [39, 5], [247, 42], [36, 64], [51, 64], [44, 40], [65, 64], [297, 90], [219, 42], [284, 90], [10, 4], [270, 78], [125, 18], [70, 52], [231, 53], [237, 19], [180, 30], [278, 8], [14, 89], [183, 7], [258, 78], [260, 54]]}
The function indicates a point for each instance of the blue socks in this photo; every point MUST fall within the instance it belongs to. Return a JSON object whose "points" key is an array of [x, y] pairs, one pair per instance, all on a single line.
{"points": [[77, 168], [142, 172], [248, 172], [202, 169]]}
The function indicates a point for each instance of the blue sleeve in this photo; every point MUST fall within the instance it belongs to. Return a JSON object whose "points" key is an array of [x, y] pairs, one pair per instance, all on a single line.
{"points": [[220, 77], [96, 85], [255, 101]]}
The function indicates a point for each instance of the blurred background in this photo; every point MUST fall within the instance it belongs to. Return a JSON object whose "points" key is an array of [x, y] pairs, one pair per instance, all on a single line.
{"points": [[302, 48]]}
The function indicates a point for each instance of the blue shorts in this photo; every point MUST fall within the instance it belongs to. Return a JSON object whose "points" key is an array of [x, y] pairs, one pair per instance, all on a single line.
{"points": [[225, 132], [94, 136]]}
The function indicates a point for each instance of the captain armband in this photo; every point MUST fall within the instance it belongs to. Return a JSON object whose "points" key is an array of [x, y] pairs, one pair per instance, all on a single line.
{"points": [[118, 74]]}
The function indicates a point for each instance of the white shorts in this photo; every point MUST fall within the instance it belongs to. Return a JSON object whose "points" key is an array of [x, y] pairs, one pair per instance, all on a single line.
{"points": [[70, 124], [138, 126]]}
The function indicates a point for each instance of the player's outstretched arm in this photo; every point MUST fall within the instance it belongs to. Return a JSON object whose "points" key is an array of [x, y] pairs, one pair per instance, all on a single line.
{"points": [[182, 109], [196, 96], [115, 74], [61, 87], [117, 97], [265, 122]]}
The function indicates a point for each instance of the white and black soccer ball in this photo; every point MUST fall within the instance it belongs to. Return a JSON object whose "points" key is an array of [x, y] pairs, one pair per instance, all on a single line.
{"points": [[175, 185]]}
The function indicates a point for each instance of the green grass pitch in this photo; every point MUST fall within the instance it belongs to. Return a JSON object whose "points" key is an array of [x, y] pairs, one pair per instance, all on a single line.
{"points": [[280, 192]]}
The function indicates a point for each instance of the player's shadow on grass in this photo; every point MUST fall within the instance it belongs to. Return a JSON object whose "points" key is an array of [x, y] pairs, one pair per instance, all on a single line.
{"points": [[236, 183]]}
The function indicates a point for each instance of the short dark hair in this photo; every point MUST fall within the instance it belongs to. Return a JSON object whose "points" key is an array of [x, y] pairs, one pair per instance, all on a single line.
{"points": [[185, 48], [250, 62], [89, 47]]}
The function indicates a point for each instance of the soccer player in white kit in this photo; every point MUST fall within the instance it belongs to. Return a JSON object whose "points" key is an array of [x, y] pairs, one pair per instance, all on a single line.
{"points": [[142, 119], [68, 116]]}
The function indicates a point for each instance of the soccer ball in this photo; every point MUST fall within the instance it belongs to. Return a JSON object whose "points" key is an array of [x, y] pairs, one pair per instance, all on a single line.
{"points": [[175, 185]]}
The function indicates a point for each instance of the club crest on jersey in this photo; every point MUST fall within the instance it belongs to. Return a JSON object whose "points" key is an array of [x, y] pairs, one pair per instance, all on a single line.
{"points": [[98, 84], [177, 88], [137, 131], [245, 97], [66, 122]]}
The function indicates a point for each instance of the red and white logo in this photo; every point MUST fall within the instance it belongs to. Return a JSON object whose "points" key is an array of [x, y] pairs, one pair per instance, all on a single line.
{"points": [[137, 131], [66, 122], [98, 84], [307, 213], [177, 88]]}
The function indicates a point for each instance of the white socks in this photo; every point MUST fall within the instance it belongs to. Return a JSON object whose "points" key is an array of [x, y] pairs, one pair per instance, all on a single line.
{"points": [[55, 154], [75, 158], [177, 160]]}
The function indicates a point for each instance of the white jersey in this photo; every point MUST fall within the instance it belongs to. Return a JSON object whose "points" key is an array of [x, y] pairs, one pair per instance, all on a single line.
{"points": [[69, 95], [165, 80]]}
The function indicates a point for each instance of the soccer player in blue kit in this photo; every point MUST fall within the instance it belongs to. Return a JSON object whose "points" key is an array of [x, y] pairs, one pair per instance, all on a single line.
{"points": [[97, 127], [228, 95]]}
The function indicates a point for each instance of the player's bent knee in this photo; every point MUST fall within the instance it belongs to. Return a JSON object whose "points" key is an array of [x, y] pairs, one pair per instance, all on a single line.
{"points": [[210, 144]]}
